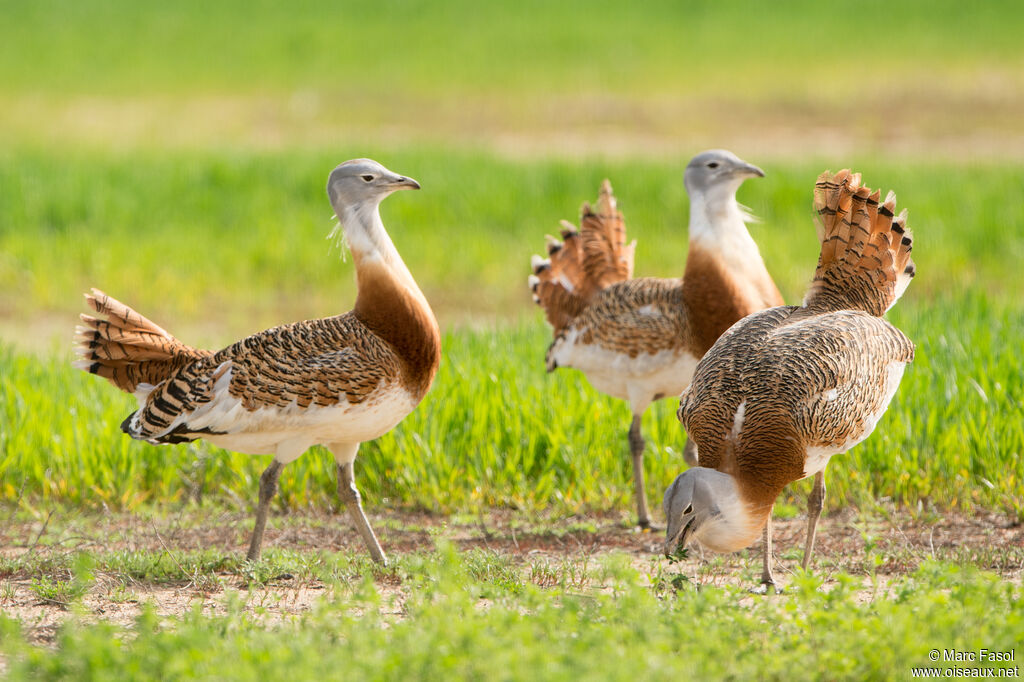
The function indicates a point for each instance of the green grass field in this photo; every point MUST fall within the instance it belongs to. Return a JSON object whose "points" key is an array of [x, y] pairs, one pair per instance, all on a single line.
{"points": [[587, 77], [175, 156], [544, 46], [495, 429], [607, 629]]}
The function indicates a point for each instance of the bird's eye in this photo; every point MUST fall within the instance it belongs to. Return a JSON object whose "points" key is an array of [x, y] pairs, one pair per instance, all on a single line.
{"points": [[367, 178], [689, 509], [713, 164]]}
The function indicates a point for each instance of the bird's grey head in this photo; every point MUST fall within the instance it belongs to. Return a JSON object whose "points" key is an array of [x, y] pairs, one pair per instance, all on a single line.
{"points": [[363, 181], [718, 168], [691, 501]]}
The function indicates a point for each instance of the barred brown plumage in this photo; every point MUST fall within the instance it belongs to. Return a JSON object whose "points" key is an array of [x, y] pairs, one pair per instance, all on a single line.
{"points": [[785, 389], [640, 339], [337, 381], [126, 348]]}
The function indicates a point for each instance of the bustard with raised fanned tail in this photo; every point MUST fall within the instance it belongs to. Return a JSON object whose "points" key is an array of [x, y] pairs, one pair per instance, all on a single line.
{"points": [[640, 339], [338, 381], [785, 389]]}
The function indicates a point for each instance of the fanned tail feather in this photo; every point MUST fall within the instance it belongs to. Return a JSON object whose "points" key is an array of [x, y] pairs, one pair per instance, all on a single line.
{"points": [[126, 348], [865, 259], [583, 262]]}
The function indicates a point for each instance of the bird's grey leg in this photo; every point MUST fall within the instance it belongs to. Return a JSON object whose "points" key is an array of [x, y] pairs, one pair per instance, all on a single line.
{"points": [[352, 500], [690, 452], [636, 449], [268, 488], [814, 505], [767, 579]]}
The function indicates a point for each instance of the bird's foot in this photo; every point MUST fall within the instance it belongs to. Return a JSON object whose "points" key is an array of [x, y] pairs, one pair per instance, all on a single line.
{"points": [[645, 526], [766, 588]]}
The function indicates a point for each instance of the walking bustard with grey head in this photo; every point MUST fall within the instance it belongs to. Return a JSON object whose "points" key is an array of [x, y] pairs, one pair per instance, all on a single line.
{"points": [[640, 339], [338, 381], [785, 389]]}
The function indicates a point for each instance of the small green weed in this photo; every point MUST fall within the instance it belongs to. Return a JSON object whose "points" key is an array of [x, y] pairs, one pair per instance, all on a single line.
{"points": [[59, 592], [443, 633]]}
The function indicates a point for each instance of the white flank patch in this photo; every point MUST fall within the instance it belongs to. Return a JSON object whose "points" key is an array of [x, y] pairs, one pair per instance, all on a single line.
{"points": [[737, 422], [816, 458], [648, 310], [894, 373], [290, 430], [638, 380], [142, 392]]}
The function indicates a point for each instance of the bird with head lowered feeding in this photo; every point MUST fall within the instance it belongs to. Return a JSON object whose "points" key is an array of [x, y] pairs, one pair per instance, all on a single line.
{"points": [[640, 339], [785, 389], [338, 381]]}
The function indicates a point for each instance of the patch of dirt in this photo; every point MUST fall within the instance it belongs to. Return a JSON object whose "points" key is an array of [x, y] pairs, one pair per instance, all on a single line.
{"points": [[880, 547], [978, 119]]}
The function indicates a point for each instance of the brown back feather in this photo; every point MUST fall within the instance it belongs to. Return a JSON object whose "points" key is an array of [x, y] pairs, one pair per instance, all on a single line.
{"points": [[865, 250], [126, 348], [585, 262]]}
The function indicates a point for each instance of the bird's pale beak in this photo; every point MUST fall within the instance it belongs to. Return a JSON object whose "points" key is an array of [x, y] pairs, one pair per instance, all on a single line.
{"points": [[750, 170], [405, 183], [679, 538]]}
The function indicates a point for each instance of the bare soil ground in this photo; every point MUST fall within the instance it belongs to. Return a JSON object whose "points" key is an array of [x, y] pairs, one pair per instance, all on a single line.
{"points": [[880, 547], [979, 120]]}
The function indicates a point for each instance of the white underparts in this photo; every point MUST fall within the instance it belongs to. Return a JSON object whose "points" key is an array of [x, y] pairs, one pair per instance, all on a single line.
{"points": [[636, 379], [288, 431]]}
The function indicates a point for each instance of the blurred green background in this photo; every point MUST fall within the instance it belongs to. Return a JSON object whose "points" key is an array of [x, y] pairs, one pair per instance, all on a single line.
{"points": [[795, 80], [178, 150], [175, 156]]}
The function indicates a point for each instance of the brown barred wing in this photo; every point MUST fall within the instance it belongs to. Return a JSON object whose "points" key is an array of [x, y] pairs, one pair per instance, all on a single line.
{"points": [[783, 381], [305, 364], [727, 374], [639, 316], [842, 367], [321, 363]]}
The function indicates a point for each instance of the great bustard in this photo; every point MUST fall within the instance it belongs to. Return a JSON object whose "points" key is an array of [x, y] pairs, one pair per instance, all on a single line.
{"points": [[640, 339], [338, 381], [785, 389]]}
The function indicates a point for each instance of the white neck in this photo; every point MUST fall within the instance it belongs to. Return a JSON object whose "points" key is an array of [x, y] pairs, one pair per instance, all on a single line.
{"points": [[718, 225], [370, 243]]}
